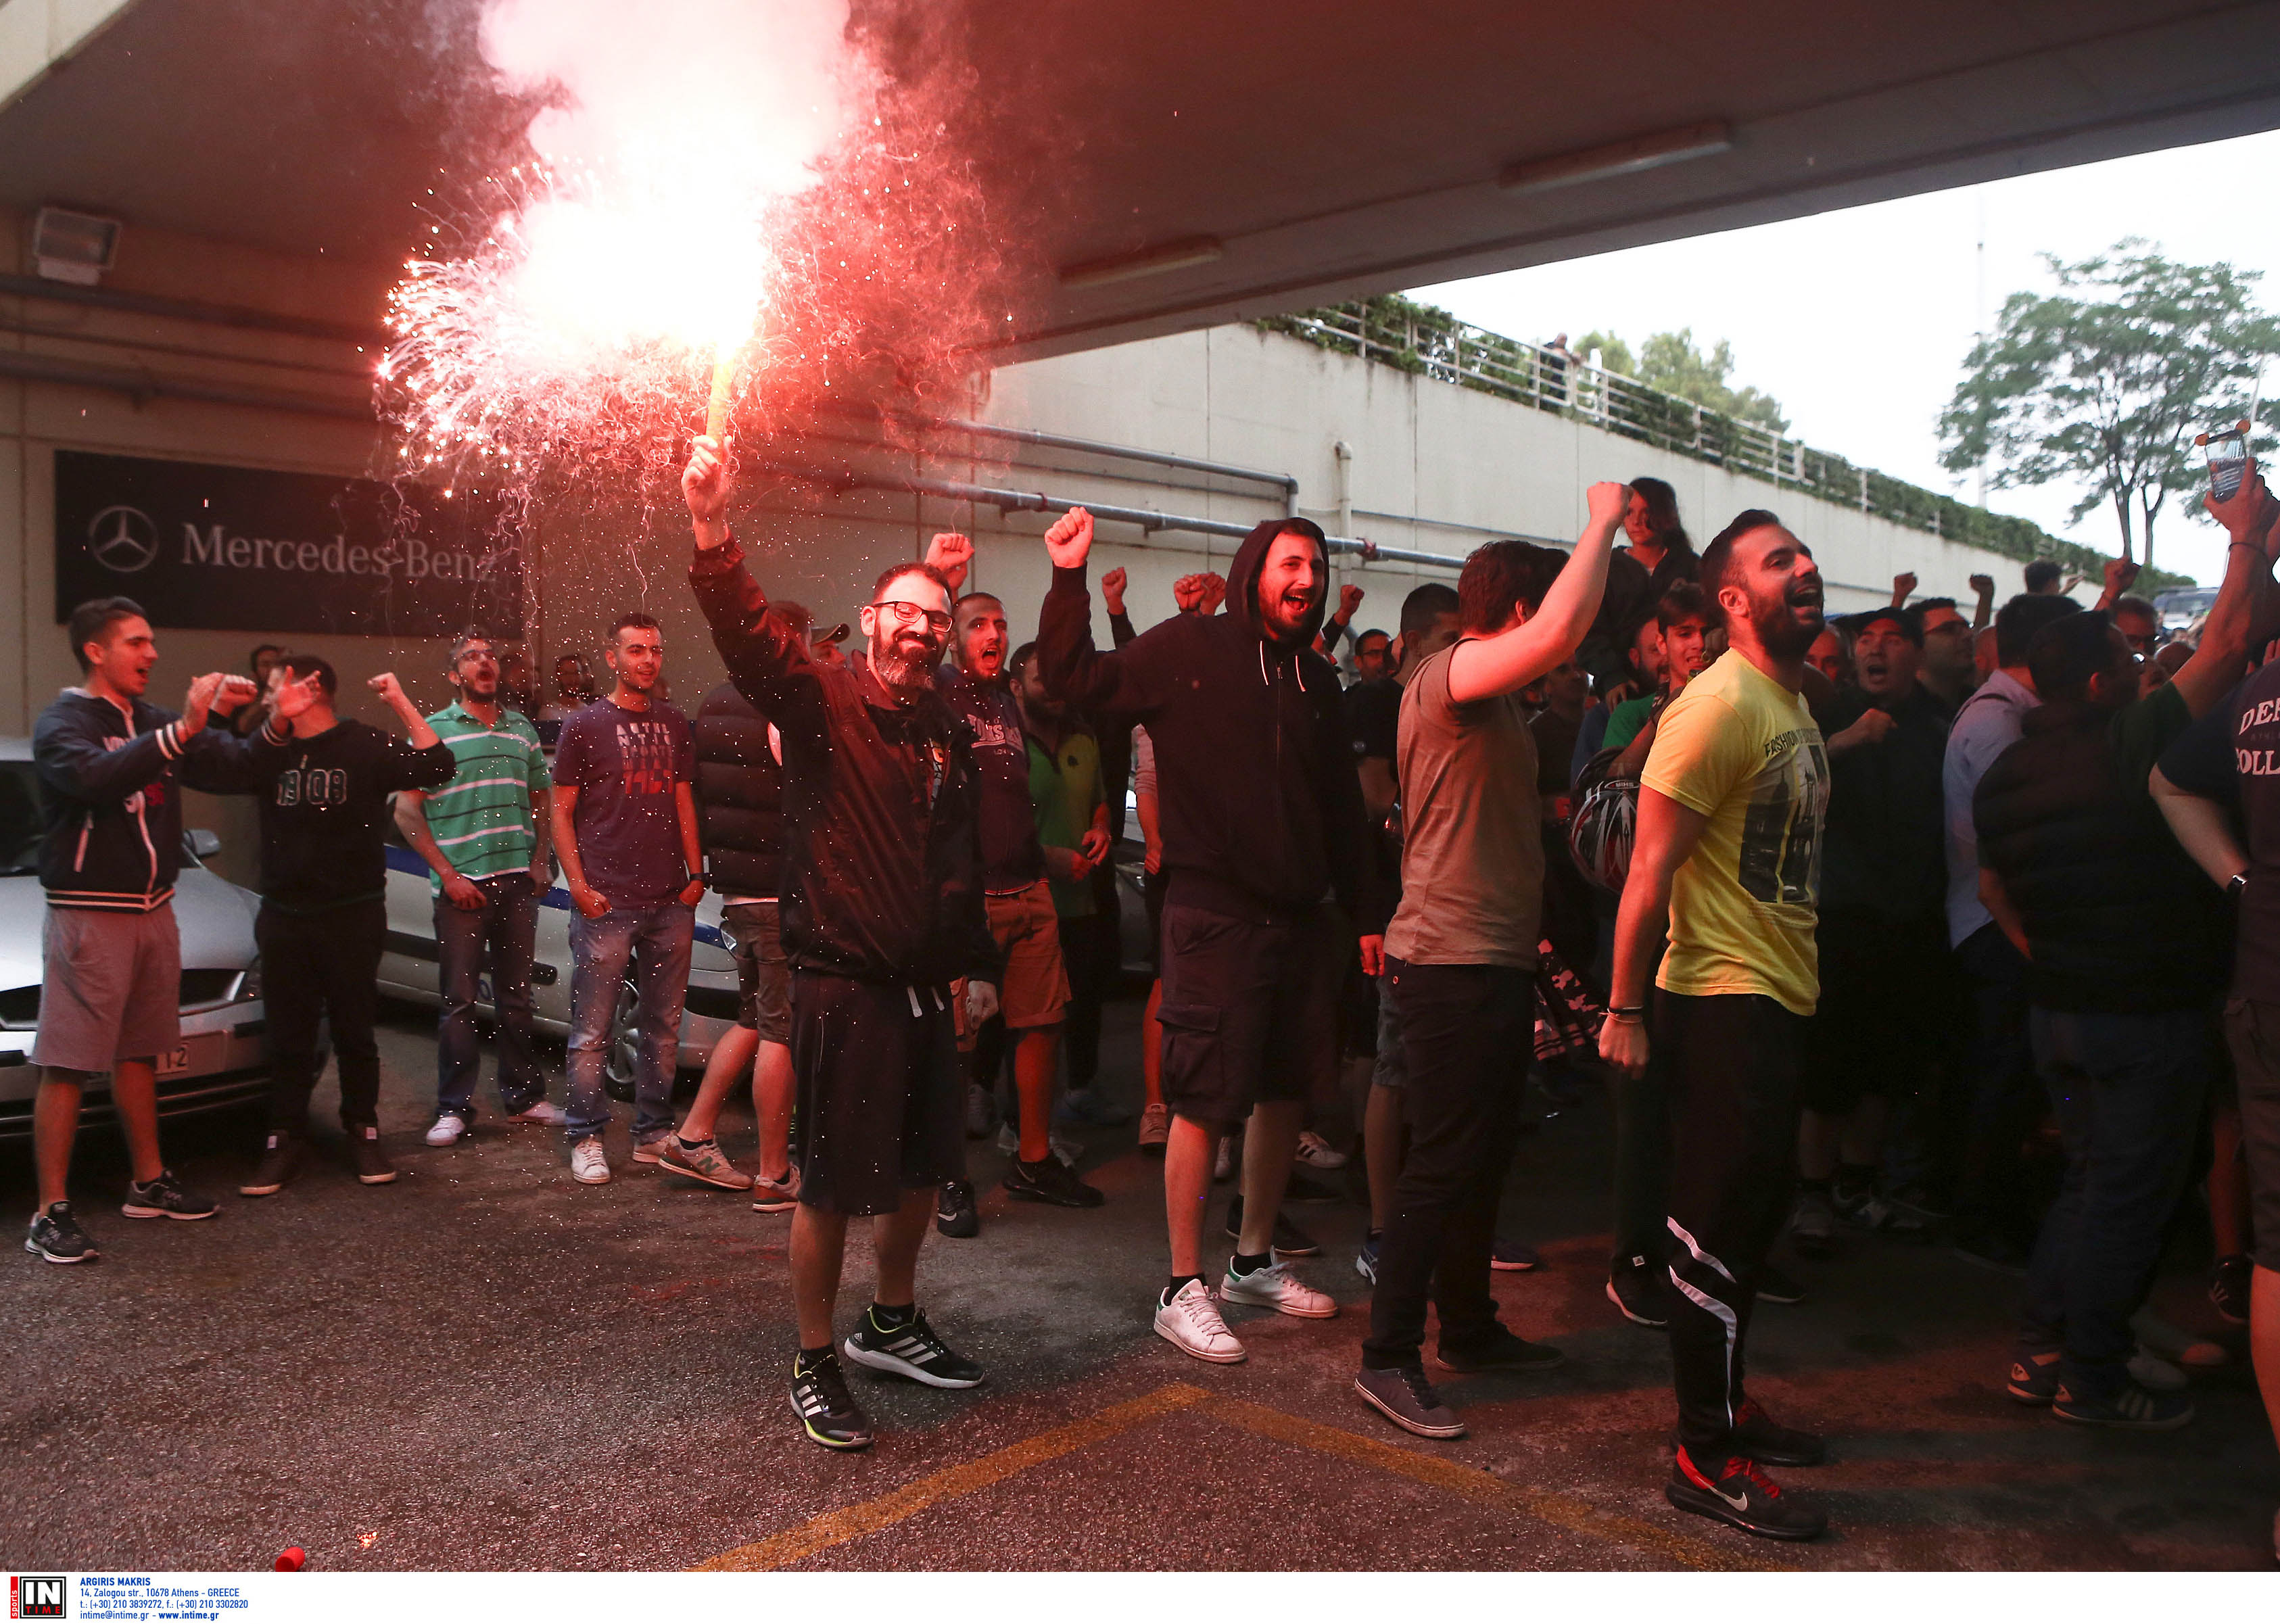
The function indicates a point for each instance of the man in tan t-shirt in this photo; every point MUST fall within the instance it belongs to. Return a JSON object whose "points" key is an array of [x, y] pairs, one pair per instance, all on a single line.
{"points": [[1460, 958]]}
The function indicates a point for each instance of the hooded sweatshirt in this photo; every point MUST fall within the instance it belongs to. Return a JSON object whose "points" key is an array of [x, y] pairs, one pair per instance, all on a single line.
{"points": [[1261, 813]]}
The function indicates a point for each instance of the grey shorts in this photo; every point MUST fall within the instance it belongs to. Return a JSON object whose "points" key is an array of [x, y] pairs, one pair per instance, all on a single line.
{"points": [[111, 988], [2252, 1032], [763, 977]]}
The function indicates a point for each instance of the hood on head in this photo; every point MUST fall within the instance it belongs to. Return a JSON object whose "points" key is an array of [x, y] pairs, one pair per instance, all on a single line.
{"points": [[1242, 582]]}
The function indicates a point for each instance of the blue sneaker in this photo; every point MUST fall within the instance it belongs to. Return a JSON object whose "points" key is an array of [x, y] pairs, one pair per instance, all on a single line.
{"points": [[1366, 1259]]}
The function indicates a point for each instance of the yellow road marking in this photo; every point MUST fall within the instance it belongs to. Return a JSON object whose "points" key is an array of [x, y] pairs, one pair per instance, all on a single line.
{"points": [[853, 1522], [1482, 1488]]}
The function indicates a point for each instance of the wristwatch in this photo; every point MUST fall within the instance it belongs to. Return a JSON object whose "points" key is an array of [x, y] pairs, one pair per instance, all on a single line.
{"points": [[2239, 883]]}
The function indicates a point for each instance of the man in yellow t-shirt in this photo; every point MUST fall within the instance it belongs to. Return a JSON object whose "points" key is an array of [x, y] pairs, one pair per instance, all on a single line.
{"points": [[1728, 861]]}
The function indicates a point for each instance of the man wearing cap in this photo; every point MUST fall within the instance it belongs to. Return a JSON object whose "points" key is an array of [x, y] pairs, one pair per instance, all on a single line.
{"points": [[1883, 934]]}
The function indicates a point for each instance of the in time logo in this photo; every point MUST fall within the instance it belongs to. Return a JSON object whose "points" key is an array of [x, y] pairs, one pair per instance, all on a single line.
{"points": [[36, 1595]]}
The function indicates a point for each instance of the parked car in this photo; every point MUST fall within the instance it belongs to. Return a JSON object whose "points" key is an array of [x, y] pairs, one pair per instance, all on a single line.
{"points": [[2183, 609], [218, 1065], [408, 969]]}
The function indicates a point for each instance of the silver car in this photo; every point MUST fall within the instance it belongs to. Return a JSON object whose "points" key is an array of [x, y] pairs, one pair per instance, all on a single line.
{"points": [[219, 1064], [409, 969]]}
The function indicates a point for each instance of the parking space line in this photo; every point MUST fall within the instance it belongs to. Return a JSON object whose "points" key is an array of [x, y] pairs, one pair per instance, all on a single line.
{"points": [[853, 1522], [1577, 1516]]}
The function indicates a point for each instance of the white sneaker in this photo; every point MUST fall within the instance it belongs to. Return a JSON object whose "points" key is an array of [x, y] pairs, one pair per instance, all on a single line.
{"points": [[1070, 1151], [541, 1115], [447, 1130], [1315, 1153], [588, 1163], [1276, 1286], [2156, 1375], [1009, 1140], [1190, 1322]]}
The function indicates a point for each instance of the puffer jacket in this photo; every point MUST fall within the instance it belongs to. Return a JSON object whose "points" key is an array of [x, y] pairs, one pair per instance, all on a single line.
{"points": [[739, 796]]}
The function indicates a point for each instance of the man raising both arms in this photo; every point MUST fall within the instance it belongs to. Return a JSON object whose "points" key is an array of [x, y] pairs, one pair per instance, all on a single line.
{"points": [[1260, 815], [1728, 861], [881, 912]]}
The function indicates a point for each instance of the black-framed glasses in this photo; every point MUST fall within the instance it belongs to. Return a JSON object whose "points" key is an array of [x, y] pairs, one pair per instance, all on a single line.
{"points": [[908, 613]]}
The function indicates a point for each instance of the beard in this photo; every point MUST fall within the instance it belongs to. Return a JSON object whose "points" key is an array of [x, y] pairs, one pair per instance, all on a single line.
{"points": [[903, 664], [1285, 619], [1790, 624]]}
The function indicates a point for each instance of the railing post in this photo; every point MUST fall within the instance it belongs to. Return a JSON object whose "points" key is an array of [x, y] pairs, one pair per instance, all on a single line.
{"points": [[1864, 490]]}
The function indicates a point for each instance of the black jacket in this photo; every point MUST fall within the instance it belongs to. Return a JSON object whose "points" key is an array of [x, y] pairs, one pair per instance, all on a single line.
{"points": [[1884, 850], [114, 823], [1627, 604], [883, 856], [2117, 916], [1261, 811], [739, 796]]}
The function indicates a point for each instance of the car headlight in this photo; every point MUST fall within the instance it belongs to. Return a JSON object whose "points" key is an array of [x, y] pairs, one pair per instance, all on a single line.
{"points": [[248, 985]]}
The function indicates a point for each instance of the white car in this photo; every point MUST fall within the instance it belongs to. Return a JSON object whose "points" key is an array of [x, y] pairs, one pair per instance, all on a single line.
{"points": [[408, 969], [219, 1063]]}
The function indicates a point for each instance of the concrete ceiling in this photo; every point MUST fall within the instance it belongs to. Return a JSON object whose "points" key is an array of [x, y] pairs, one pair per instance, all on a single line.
{"points": [[1326, 150]]}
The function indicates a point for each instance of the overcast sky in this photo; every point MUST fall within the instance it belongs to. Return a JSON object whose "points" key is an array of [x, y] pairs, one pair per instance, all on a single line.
{"points": [[1858, 322]]}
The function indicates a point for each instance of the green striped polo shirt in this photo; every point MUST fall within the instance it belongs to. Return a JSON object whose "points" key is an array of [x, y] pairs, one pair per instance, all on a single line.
{"points": [[482, 819]]}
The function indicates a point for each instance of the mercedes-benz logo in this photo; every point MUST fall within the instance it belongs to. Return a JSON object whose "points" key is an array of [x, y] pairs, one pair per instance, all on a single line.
{"points": [[122, 539]]}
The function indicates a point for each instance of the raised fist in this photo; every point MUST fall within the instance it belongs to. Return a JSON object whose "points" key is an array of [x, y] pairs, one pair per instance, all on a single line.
{"points": [[1112, 590], [1350, 597], [1070, 539], [705, 482], [1608, 502], [1983, 585], [1903, 584], [952, 554]]}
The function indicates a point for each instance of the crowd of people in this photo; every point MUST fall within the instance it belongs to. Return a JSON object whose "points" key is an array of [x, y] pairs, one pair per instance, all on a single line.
{"points": [[1844, 913]]}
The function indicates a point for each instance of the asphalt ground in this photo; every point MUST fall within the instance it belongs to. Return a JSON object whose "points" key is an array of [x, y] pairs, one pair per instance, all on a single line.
{"points": [[487, 1366]]}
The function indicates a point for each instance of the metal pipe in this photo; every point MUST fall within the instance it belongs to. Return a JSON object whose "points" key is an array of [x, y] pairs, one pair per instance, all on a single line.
{"points": [[1040, 502], [130, 381], [189, 310]]}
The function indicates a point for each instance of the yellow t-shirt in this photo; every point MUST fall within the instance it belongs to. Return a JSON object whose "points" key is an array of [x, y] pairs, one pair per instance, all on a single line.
{"points": [[1739, 748]]}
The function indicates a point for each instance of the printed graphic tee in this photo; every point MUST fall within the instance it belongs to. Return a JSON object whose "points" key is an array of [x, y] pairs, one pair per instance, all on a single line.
{"points": [[2232, 756], [1743, 750], [625, 766]]}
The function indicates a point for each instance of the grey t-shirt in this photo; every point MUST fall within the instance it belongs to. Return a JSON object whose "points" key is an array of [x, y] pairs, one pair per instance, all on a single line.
{"points": [[626, 766], [1471, 854]]}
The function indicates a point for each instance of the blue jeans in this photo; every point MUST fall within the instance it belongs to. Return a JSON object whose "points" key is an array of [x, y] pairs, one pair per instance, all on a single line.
{"points": [[655, 940], [2127, 1089], [506, 925]]}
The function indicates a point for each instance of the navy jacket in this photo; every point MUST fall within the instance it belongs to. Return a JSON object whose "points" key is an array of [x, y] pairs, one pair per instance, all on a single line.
{"points": [[114, 823]]}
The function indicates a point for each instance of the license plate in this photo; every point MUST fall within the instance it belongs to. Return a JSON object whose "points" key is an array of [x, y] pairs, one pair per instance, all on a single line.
{"points": [[174, 1062]]}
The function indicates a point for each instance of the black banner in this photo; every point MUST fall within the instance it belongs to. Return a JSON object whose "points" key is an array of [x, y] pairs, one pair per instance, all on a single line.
{"points": [[252, 549]]}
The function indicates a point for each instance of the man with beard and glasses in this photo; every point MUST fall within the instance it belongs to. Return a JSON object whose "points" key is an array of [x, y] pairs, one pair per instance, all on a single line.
{"points": [[1882, 938], [1260, 816], [488, 838], [1033, 993], [882, 912], [1727, 863], [625, 830]]}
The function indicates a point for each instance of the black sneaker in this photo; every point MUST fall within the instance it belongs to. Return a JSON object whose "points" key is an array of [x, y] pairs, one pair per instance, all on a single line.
{"points": [[1404, 1397], [1306, 1190], [1739, 1493], [2131, 1408], [2034, 1378], [1513, 1259], [57, 1237], [281, 1159], [164, 1196], [826, 1410], [1776, 1287], [2229, 1289], [954, 1213], [1051, 1181], [1504, 1351], [365, 1155], [1991, 1250], [1640, 1293], [909, 1350], [1770, 1444], [1290, 1240]]}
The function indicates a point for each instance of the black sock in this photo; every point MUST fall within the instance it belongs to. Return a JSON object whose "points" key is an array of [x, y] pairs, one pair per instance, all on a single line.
{"points": [[1179, 1283], [688, 1144], [810, 1357], [1244, 1263], [893, 1319]]}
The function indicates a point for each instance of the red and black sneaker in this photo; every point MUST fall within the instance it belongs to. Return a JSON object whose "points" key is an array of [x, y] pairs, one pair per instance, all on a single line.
{"points": [[1770, 1444], [1742, 1495]]}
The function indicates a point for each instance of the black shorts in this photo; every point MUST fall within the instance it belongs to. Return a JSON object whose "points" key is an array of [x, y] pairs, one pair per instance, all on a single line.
{"points": [[1886, 998], [1249, 1010], [881, 1099]]}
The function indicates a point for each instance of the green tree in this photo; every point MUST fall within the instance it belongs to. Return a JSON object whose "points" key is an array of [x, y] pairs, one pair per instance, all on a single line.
{"points": [[1671, 362], [1615, 355], [2103, 383]]}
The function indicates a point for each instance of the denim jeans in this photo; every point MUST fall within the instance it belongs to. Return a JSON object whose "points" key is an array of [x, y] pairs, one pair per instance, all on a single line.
{"points": [[506, 926], [2006, 1098], [655, 940], [2128, 1090]]}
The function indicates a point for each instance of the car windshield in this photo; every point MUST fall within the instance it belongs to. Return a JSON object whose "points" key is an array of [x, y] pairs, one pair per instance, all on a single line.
{"points": [[20, 823]]}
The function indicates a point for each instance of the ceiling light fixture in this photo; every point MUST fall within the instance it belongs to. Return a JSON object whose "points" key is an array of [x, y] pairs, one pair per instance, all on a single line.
{"points": [[1618, 158], [1157, 261], [71, 247]]}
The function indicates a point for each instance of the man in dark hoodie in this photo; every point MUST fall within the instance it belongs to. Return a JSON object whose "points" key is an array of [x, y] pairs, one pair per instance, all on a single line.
{"points": [[1262, 816], [108, 761], [881, 912]]}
